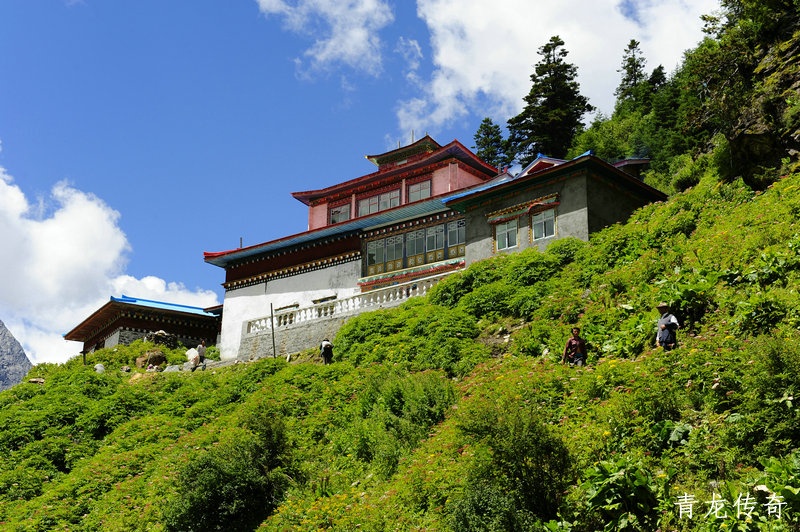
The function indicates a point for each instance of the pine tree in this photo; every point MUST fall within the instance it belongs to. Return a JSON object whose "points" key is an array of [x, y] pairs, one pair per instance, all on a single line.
{"points": [[553, 108], [490, 145], [632, 71]]}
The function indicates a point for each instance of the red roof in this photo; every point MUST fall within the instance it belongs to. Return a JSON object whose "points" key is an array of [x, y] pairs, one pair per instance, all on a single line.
{"points": [[453, 150]]}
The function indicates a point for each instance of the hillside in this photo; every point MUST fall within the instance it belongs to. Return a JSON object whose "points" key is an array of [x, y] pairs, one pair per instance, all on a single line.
{"points": [[452, 412]]}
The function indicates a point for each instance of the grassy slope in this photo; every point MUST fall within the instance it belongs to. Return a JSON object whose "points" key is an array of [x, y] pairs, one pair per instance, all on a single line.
{"points": [[402, 445]]}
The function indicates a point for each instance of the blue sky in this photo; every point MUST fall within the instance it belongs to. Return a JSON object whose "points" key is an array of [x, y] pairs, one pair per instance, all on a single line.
{"points": [[136, 135]]}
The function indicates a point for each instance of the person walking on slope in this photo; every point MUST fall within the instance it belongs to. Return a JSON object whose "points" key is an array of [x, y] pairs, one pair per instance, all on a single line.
{"points": [[575, 350], [201, 350], [666, 336], [326, 350]]}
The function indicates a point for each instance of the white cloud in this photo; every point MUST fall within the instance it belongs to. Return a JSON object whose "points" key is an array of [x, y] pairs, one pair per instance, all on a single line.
{"points": [[411, 52], [346, 31], [484, 52], [63, 258]]}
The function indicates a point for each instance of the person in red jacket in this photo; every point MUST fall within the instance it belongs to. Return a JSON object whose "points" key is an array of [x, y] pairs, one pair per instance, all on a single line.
{"points": [[575, 350]]}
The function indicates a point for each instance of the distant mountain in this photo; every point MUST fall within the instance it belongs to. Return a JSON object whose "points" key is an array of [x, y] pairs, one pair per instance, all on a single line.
{"points": [[14, 364]]}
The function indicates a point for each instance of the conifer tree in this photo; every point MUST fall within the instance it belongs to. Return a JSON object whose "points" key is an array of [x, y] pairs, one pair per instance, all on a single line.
{"points": [[553, 108], [490, 145], [632, 71]]}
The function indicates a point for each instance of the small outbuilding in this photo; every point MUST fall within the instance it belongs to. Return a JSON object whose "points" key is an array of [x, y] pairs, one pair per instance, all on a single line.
{"points": [[125, 319]]}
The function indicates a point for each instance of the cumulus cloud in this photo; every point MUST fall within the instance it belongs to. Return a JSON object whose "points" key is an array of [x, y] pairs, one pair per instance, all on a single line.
{"points": [[484, 53], [346, 31], [64, 256]]}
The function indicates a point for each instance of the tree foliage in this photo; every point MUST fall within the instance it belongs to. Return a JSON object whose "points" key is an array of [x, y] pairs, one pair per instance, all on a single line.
{"points": [[490, 145], [553, 110], [632, 70]]}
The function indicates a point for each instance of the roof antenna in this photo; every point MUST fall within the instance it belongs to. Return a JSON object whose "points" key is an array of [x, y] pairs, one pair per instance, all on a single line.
{"points": [[412, 136], [240, 242]]}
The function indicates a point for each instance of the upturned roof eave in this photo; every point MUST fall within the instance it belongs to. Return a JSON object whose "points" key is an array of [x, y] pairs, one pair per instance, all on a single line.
{"points": [[453, 149]]}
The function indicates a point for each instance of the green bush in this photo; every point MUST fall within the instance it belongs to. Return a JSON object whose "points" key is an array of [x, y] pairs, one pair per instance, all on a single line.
{"points": [[526, 462], [394, 412], [449, 291], [565, 250], [236, 484], [624, 496], [488, 300], [417, 334]]}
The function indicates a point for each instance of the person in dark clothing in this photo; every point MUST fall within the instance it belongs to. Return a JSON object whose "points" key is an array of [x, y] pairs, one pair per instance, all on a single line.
{"points": [[666, 336], [575, 350], [326, 350]]}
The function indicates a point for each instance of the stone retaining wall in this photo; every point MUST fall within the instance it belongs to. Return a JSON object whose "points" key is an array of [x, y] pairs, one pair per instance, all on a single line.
{"points": [[290, 339]]}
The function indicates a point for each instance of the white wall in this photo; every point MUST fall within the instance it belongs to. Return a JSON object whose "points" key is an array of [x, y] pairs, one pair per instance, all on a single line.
{"points": [[253, 302]]}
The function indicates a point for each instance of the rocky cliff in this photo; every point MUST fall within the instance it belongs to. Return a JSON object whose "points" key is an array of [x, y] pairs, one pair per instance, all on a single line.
{"points": [[14, 364]]}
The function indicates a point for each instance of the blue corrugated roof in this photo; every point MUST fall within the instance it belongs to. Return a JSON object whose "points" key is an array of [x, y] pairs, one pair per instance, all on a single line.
{"points": [[162, 305]]}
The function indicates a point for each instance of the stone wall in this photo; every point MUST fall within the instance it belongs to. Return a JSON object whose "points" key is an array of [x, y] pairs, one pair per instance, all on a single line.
{"points": [[128, 336], [290, 339]]}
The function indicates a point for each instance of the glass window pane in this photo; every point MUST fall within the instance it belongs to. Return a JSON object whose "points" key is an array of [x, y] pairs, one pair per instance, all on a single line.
{"points": [[543, 224], [415, 242], [456, 233], [506, 234], [419, 191], [435, 238], [394, 248], [340, 213]]}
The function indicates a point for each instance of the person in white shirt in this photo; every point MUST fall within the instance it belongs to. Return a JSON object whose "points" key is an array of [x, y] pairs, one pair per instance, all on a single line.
{"points": [[667, 326]]}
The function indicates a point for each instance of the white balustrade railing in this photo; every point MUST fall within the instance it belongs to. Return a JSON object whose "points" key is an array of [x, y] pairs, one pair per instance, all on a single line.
{"points": [[382, 297]]}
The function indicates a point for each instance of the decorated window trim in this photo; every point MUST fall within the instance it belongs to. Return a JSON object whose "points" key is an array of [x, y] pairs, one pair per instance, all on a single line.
{"points": [[432, 245], [521, 209]]}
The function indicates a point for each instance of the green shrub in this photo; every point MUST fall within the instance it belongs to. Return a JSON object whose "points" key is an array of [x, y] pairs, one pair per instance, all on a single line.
{"points": [[759, 314], [565, 250], [534, 340], [488, 300], [525, 301], [394, 412], [531, 266], [416, 334], [526, 462], [449, 291], [623, 495], [769, 422], [236, 484]]}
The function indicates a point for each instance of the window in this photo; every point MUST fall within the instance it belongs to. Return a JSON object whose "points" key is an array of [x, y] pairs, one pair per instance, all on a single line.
{"points": [[368, 206], [394, 253], [544, 224], [375, 257], [434, 243], [419, 191], [456, 238], [415, 248], [381, 202], [389, 200], [340, 213], [505, 234]]}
